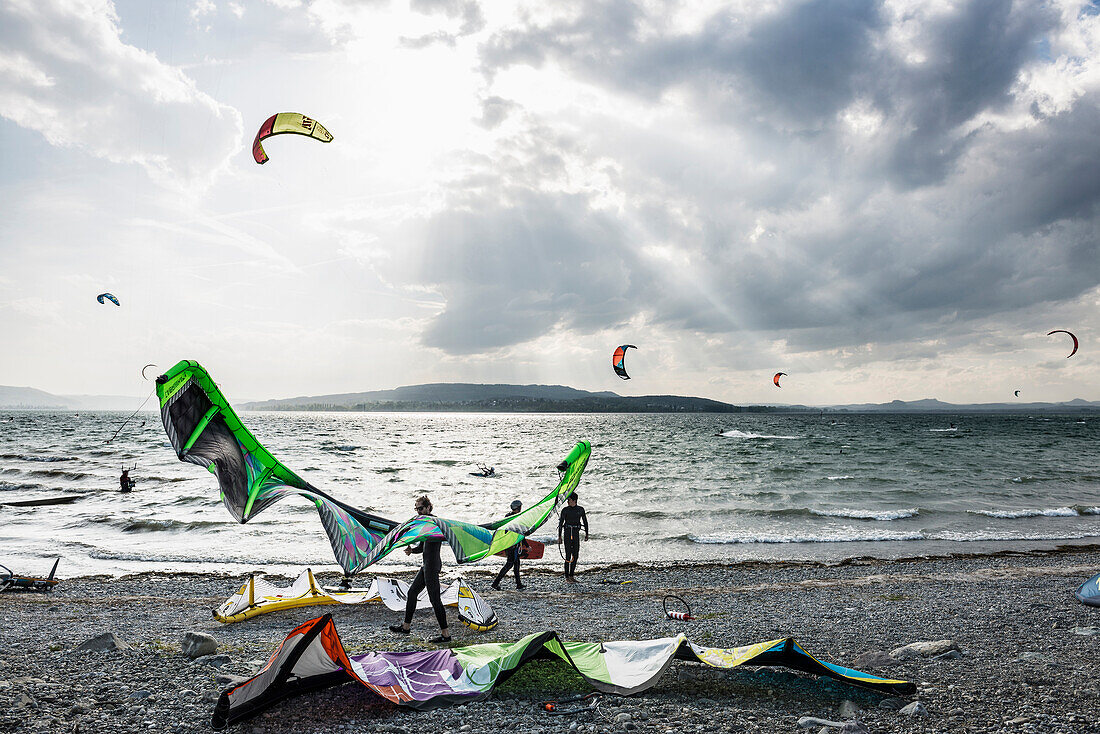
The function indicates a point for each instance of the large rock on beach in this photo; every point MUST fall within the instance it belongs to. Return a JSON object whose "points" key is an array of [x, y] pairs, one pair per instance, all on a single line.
{"points": [[924, 649], [197, 644], [102, 643], [809, 722], [873, 659], [916, 708]]}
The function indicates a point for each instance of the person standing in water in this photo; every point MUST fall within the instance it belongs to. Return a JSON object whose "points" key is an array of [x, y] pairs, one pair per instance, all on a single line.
{"points": [[125, 483], [514, 554], [426, 578], [569, 525]]}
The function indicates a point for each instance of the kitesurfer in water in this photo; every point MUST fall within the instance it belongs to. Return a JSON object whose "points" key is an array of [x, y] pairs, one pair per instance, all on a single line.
{"points": [[426, 578], [514, 553], [125, 482], [569, 526]]}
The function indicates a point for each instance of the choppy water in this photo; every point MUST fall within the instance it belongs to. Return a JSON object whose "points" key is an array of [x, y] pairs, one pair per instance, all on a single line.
{"points": [[658, 487]]}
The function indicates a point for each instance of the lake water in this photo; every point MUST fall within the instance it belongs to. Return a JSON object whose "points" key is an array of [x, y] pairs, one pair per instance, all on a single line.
{"points": [[658, 488]]}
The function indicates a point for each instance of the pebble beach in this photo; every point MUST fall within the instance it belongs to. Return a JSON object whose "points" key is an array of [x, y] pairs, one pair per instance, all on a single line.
{"points": [[1016, 652]]}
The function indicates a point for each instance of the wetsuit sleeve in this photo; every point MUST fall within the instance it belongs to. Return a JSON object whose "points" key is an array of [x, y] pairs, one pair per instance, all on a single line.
{"points": [[417, 548], [584, 519], [561, 520]]}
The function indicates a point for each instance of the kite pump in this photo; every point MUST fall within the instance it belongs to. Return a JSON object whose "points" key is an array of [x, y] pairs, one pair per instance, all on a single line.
{"points": [[671, 614]]}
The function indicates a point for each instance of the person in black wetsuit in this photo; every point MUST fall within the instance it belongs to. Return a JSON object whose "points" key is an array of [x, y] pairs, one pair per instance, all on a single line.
{"points": [[125, 483], [426, 578], [569, 525], [514, 554]]}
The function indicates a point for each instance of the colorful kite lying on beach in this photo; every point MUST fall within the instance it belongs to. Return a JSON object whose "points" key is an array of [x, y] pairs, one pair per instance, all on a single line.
{"points": [[1089, 592], [312, 657], [287, 123], [256, 596], [204, 430]]}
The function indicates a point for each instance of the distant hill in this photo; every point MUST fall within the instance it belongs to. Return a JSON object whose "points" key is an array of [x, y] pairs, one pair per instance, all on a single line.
{"points": [[29, 398], [931, 405], [456, 396]]}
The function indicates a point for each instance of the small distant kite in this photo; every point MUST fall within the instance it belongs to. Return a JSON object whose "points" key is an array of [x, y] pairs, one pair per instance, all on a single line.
{"points": [[1016, 393], [618, 360], [103, 297], [776, 378], [1071, 336], [145, 368], [287, 123]]}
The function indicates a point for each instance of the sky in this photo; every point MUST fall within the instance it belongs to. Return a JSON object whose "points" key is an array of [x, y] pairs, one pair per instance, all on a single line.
{"points": [[885, 200]]}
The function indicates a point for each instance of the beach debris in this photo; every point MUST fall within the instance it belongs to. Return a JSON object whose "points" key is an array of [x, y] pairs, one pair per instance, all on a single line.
{"points": [[197, 644], [848, 709], [11, 581], [257, 596], [853, 727], [916, 708], [949, 655], [102, 643], [205, 430], [312, 657], [926, 649], [874, 659]]}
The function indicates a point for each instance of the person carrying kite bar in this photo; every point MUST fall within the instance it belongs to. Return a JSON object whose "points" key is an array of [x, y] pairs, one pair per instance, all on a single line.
{"points": [[426, 578]]}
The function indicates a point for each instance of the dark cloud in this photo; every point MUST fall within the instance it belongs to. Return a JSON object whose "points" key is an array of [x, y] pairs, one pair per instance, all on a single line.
{"points": [[768, 211], [515, 270]]}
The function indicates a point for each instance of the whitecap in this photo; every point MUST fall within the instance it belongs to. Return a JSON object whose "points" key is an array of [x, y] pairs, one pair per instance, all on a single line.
{"points": [[734, 433], [869, 514], [1016, 514]]}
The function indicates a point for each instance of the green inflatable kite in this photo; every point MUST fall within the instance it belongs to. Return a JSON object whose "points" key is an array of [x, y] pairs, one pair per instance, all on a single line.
{"points": [[204, 430]]}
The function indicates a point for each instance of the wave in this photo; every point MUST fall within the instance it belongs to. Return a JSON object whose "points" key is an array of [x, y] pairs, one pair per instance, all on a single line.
{"points": [[152, 526], [979, 536], [443, 462], [61, 473], [869, 514], [1074, 511], [31, 457], [18, 485], [841, 535], [734, 433], [943, 430], [344, 447], [840, 478]]}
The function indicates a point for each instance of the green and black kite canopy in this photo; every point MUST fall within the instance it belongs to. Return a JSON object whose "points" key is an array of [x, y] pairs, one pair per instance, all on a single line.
{"points": [[204, 430]]}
